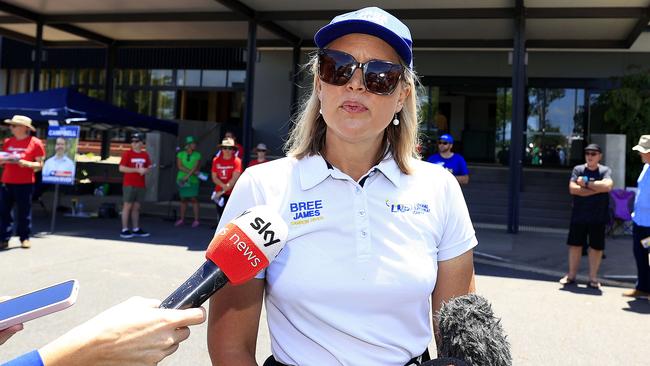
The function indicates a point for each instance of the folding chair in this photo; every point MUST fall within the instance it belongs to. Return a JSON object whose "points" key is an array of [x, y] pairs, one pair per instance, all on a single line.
{"points": [[621, 212]]}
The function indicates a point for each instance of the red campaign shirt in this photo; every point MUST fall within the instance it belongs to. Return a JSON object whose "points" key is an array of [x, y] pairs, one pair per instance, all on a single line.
{"points": [[132, 159], [29, 149], [225, 169], [255, 162]]}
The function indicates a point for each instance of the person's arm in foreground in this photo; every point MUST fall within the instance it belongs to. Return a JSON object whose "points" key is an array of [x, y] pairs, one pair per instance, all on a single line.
{"points": [[455, 278], [5, 334], [233, 322], [134, 333]]}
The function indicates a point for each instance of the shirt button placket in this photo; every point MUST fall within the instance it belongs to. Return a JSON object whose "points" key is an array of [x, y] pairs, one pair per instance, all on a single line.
{"points": [[361, 219]]}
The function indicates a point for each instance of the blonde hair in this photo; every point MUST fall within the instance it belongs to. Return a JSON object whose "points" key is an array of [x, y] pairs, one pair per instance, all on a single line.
{"points": [[307, 137]]}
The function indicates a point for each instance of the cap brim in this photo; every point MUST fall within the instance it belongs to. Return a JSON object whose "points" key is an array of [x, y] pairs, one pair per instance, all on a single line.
{"points": [[641, 149], [330, 32]]}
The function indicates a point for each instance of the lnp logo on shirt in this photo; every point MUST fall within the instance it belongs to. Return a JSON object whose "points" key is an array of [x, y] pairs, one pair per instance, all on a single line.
{"points": [[304, 212], [414, 208]]}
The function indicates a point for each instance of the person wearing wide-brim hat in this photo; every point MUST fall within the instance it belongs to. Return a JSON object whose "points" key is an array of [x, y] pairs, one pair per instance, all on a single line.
{"points": [[188, 162], [22, 155], [226, 169], [378, 238], [641, 223]]}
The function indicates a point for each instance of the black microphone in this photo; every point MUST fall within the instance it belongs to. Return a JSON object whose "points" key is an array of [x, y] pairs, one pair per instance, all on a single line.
{"points": [[237, 253], [469, 331]]}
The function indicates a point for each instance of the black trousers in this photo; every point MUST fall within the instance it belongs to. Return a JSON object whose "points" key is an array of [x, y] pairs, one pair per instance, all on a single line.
{"points": [[19, 195], [641, 257]]}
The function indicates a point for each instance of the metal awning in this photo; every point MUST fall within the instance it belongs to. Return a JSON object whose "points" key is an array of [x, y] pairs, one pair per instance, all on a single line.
{"points": [[551, 24]]}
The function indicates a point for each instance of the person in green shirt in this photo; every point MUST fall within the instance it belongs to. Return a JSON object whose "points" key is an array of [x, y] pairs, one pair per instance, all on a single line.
{"points": [[187, 162]]}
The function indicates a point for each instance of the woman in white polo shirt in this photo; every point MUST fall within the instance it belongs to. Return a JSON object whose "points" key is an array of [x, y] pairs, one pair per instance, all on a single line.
{"points": [[377, 238]]}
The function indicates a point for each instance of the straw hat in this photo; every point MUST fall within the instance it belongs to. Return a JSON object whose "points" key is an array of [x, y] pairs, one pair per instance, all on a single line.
{"points": [[19, 120], [644, 144], [227, 143]]}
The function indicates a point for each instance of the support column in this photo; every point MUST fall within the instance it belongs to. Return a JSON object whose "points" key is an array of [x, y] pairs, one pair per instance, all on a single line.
{"points": [[247, 135], [518, 117], [38, 57], [109, 67], [295, 79]]}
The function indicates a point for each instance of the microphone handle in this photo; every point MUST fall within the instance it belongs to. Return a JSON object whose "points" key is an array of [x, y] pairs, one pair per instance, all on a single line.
{"points": [[207, 280]]}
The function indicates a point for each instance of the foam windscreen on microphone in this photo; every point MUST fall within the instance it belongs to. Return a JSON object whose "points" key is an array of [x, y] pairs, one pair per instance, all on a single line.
{"points": [[248, 244], [470, 332]]}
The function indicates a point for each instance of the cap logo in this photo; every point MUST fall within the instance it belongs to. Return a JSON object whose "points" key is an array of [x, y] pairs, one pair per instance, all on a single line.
{"points": [[373, 17]]}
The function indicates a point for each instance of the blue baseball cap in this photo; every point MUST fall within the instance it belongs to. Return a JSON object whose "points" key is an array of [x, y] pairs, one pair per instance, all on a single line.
{"points": [[375, 22], [446, 137]]}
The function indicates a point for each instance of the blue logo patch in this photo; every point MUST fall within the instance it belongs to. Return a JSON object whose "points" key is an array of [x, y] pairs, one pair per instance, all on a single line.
{"points": [[414, 208], [305, 209]]}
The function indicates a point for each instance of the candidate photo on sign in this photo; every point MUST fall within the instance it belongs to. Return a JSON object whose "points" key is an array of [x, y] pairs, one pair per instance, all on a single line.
{"points": [[59, 164]]}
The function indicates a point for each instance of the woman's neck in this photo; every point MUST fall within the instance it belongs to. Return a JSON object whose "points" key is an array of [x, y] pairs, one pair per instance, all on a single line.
{"points": [[355, 159]]}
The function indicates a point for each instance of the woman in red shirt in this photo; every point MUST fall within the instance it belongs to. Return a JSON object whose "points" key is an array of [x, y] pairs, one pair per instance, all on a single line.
{"points": [[226, 169], [21, 155]]}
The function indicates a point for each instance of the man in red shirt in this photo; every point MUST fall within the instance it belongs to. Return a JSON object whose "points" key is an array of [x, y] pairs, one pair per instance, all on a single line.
{"points": [[135, 164], [226, 169], [21, 155]]}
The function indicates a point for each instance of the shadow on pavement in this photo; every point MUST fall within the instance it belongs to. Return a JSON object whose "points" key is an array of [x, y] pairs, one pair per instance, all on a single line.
{"points": [[498, 271], [582, 290], [162, 232], [640, 306]]}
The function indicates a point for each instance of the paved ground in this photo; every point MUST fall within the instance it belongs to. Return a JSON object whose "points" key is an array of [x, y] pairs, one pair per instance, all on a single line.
{"points": [[547, 324]]}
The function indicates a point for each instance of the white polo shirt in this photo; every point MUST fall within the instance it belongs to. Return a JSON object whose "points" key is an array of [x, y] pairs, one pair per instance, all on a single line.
{"points": [[353, 284]]}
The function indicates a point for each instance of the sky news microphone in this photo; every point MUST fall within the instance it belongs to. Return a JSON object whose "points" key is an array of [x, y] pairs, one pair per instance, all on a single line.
{"points": [[237, 253], [469, 331]]}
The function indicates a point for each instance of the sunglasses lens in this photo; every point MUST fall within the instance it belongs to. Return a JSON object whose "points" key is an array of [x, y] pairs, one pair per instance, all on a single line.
{"points": [[443, 143], [335, 67], [382, 77]]}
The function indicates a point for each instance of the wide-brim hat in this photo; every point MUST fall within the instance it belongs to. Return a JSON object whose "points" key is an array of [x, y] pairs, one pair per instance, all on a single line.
{"points": [[227, 143], [643, 145], [372, 21], [19, 120]]}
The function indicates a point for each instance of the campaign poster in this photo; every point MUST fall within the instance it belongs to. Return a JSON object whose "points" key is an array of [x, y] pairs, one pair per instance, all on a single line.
{"points": [[60, 154]]}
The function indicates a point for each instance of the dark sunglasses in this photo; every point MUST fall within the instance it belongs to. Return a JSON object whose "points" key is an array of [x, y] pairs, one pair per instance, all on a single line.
{"points": [[591, 153], [135, 141], [443, 143], [227, 148], [379, 77]]}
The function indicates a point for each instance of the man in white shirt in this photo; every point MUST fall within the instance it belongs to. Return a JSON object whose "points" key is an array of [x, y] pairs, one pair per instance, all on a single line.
{"points": [[59, 165]]}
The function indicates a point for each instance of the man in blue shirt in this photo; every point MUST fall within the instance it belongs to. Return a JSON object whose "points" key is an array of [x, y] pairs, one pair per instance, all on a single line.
{"points": [[450, 161], [641, 218]]}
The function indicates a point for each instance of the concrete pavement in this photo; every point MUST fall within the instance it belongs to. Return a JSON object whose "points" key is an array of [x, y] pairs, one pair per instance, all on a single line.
{"points": [[541, 317]]}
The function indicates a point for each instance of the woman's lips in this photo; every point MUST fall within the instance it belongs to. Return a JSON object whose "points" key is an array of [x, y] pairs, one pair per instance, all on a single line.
{"points": [[353, 107]]}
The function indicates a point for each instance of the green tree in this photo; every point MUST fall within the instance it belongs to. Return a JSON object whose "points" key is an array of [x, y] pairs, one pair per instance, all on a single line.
{"points": [[627, 111]]}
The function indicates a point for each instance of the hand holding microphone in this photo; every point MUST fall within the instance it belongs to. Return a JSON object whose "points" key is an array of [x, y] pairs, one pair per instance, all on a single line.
{"points": [[238, 252]]}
